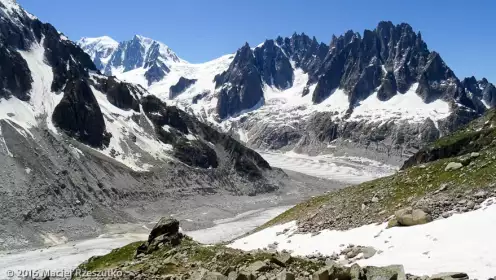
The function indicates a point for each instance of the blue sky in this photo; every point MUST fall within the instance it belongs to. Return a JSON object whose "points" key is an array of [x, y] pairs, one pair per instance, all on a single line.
{"points": [[464, 32]]}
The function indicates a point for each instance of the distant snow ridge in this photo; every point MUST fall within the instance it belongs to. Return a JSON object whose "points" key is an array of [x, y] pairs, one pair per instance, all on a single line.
{"points": [[149, 59]]}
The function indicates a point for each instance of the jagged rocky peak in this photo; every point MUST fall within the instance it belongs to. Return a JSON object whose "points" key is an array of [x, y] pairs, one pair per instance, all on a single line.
{"points": [[482, 90], [273, 65], [391, 59], [240, 86], [306, 53], [140, 52]]}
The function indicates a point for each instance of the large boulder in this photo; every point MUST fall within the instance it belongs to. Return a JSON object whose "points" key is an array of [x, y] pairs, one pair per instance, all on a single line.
{"points": [[165, 225], [411, 217], [165, 232]]}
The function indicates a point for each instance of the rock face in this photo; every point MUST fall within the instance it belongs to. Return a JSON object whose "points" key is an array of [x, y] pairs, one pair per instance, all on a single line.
{"points": [[482, 90], [15, 76], [78, 114], [119, 94], [240, 86], [273, 65], [156, 72], [180, 86], [175, 127], [19, 32], [390, 61], [139, 52]]}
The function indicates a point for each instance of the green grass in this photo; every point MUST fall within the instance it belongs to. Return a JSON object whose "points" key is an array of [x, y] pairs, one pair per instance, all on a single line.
{"points": [[112, 259]]}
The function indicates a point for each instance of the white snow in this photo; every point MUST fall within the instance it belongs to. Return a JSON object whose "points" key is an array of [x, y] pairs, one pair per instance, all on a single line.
{"points": [[42, 100], [104, 46], [341, 168], [462, 242], [408, 106]]}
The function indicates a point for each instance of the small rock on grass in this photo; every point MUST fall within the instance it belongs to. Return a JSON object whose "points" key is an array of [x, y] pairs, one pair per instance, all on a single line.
{"points": [[453, 166]]}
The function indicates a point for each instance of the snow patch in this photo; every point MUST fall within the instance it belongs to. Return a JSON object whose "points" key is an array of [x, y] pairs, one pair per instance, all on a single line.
{"points": [[462, 242]]}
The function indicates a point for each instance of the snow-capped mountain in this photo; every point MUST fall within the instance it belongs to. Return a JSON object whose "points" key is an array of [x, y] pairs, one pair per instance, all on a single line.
{"points": [[100, 49], [148, 59], [79, 145], [381, 91]]}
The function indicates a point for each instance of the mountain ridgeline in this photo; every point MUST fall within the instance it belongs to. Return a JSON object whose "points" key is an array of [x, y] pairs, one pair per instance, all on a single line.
{"points": [[389, 59], [320, 91]]}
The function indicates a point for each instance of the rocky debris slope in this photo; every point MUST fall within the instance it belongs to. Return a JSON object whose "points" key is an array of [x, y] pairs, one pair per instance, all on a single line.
{"points": [[169, 255], [434, 188]]}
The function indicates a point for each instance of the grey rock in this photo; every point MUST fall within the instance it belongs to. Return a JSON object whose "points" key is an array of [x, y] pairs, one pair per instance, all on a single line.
{"points": [[258, 266], [165, 226], [410, 217], [285, 275], [321, 274], [453, 166], [368, 252], [392, 272], [282, 259], [450, 276], [245, 275]]}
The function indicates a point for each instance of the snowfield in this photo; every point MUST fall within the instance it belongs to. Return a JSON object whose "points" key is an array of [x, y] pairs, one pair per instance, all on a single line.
{"points": [[460, 243]]}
